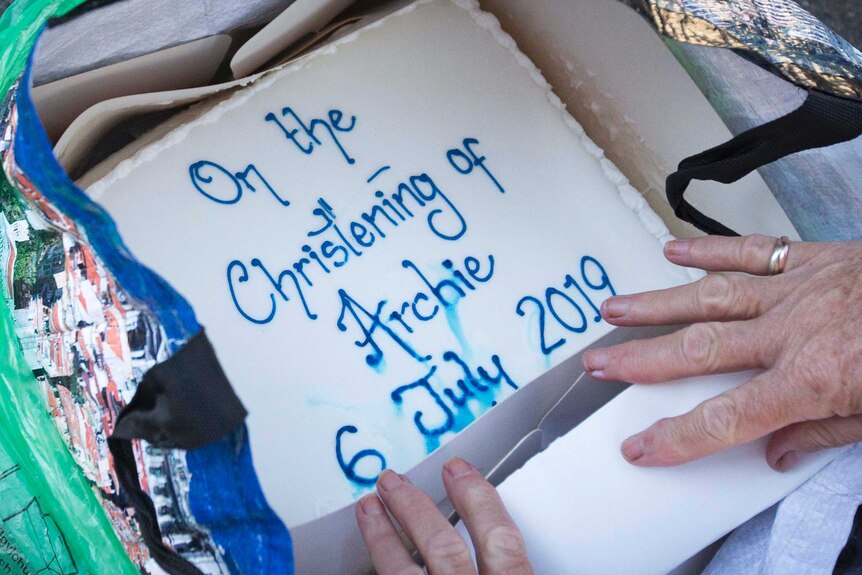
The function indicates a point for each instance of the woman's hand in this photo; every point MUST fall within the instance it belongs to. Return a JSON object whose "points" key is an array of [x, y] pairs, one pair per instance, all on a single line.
{"points": [[498, 543], [803, 327]]}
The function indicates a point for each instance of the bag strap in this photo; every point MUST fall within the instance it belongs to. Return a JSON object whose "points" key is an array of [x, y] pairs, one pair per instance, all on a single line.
{"points": [[822, 120], [186, 402]]}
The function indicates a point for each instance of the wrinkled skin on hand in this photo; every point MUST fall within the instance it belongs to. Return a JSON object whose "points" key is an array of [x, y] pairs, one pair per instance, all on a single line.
{"points": [[802, 327], [499, 546]]}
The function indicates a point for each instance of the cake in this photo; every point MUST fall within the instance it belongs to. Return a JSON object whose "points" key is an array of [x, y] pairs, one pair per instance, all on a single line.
{"points": [[385, 240]]}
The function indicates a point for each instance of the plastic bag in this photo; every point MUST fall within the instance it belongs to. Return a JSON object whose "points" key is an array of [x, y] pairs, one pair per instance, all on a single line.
{"points": [[50, 520], [92, 322]]}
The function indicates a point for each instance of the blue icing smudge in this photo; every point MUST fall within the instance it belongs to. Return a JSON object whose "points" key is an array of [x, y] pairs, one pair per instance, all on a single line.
{"points": [[463, 417], [380, 366], [451, 406], [431, 443], [360, 490], [457, 329]]}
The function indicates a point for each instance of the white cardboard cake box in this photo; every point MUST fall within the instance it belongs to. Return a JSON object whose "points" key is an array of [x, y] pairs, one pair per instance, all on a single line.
{"points": [[582, 508]]}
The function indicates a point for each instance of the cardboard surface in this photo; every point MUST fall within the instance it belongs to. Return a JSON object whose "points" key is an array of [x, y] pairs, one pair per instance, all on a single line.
{"points": [[185, 66], [299, 19], [584, 509]]}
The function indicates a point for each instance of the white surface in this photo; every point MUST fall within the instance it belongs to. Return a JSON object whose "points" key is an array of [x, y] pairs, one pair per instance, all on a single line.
{"points": [[805, 532], [584, 509], [414, 98], [637, 102]]}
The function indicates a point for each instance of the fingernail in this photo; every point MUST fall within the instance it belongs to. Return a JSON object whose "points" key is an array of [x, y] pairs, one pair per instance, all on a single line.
{"points": [[595, 363], [371, 505], [676, 247], [457, 467], [389, 480], [787, 461], [616, 306], [633, 448]]}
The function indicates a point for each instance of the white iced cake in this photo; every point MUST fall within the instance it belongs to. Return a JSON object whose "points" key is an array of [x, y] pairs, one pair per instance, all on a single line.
{"points": [[386, 239]]}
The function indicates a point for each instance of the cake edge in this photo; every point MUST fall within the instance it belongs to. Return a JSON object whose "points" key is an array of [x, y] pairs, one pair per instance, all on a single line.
{"points": [[629, 196]]}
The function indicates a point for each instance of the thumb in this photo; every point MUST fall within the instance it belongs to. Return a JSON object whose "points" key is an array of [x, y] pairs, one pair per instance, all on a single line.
{"points": [[787, 443]]}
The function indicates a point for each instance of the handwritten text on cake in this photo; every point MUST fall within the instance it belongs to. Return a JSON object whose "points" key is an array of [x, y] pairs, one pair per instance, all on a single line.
{"points": [[260, 289]]}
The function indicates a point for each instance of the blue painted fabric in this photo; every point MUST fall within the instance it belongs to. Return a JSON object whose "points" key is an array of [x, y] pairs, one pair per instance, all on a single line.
{"points": [[225, 495]]}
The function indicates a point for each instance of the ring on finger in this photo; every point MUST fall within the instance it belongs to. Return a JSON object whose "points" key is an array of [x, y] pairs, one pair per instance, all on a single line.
{"points": [[778, 259]]}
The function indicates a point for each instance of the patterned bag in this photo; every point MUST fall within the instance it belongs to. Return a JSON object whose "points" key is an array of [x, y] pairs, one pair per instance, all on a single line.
{"points": [[85, 330]]}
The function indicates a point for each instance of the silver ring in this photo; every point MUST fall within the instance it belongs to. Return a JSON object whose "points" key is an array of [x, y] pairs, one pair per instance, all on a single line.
{"points": [[778, 259]]}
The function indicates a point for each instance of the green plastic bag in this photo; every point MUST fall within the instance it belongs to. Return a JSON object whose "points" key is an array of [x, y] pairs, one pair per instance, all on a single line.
{"points": [[20, 24], [50, 519]]}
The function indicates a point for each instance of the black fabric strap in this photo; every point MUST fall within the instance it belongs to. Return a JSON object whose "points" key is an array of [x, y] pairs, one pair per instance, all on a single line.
{"points": [[822, 120], [185, 402], [850, 560]]}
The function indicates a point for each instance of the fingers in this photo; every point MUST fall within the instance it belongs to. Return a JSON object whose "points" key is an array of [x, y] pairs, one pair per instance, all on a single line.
{"points": [[442, 549], [748, 254], [696, 350], [738, 416], [388, 552], [499, 545], [786, 444], [713, 298]]}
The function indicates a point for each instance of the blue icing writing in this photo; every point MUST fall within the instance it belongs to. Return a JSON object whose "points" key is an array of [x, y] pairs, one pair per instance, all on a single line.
{"points": [[470, 385], [448, 417], [419, 192], [277, 283], [243, 278], [549, 297], [272, 283], [473, 268], [556, 301], [305, 136], [245, 176], [349, 467], [464, 393], [466, 160], [368, 323], [427, 190], [431, 426], [259, 290], [543, 345], [337, 246], [377, 173], [604, 281], [329, 249], [572, 282], [437, 290], [228, 189], [446, 292]]}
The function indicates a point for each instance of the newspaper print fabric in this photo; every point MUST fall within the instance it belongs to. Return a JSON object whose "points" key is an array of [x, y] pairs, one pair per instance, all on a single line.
{"points": [[88, 347], [777, 34]]}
